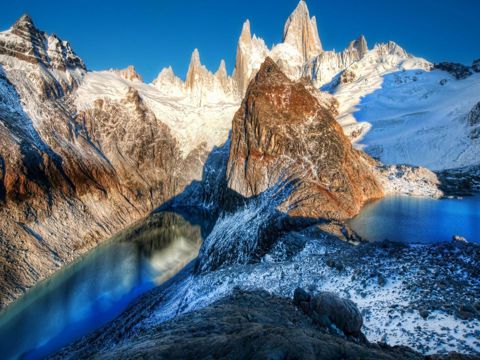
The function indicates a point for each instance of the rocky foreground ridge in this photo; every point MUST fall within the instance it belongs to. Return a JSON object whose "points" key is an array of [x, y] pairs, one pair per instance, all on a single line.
{"points": [[256, 324]]}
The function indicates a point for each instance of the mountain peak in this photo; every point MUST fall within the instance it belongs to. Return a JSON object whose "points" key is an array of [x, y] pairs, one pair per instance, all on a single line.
{"points": [[168, 78], [25, 27], [302, 33], [35, 46], [222, 69], [270, 72], [246, 34], [195, 59], [24, 22], [129, 73], [360, 45], [196, 71]]}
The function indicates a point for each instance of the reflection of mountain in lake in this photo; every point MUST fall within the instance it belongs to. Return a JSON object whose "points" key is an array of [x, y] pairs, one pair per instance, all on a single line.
{"points": [[100, 286]]}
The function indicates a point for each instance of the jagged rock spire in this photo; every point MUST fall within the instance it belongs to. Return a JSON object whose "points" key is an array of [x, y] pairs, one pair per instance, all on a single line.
{"points": [[246, 35], [360, 45], [302, 33], [249, 50], [221, 74], [194, 70], [129, 73]]}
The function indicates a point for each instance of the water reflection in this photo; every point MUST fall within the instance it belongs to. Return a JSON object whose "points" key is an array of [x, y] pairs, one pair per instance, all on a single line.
{"points": [[98, 287], [419, 220]]}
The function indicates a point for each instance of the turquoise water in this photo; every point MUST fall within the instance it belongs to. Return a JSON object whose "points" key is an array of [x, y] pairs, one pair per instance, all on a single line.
{"points": [[98, 287], [419, 220]]}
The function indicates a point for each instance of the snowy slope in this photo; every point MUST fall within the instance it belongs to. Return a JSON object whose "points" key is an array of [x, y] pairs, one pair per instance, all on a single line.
{"points": [[399, 110], [190, 123]]}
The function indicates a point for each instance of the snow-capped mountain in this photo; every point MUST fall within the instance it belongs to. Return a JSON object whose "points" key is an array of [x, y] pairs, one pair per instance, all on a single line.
{"points": [[94, 151]]}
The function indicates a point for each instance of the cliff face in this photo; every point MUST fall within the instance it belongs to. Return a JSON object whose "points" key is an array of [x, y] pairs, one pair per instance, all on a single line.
{"points": [[282, 131]]}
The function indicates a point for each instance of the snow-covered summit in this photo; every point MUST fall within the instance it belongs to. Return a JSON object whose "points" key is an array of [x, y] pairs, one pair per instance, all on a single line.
{"points": [[23, 41], [301, 32]]}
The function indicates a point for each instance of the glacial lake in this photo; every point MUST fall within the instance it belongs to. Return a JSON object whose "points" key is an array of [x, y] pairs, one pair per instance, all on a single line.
{"points": [[419, 220], [98, 287]]}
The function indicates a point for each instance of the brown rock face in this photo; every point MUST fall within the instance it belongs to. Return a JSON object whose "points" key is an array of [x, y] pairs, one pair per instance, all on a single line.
{"points": [[282, 131]]}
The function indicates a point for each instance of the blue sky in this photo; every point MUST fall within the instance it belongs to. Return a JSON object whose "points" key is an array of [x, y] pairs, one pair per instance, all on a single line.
{"points": [[153, 34]]}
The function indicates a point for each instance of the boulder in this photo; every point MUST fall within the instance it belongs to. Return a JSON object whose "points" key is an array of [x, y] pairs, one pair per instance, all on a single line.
{"points": [[327, 309], [459, 239]]}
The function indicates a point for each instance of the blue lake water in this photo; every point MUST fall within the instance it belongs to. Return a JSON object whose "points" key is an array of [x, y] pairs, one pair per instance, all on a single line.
{"points": [[98, 287], [419, 220]]}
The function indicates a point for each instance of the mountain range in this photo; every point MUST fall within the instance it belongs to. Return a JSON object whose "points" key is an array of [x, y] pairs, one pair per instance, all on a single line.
{"points": [[85, 153]]}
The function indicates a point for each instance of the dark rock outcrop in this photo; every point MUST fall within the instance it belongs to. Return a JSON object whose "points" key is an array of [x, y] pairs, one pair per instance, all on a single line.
{"points": [[282, 131], [458, 71], [476, 65], [347, 77], [474, 116]]}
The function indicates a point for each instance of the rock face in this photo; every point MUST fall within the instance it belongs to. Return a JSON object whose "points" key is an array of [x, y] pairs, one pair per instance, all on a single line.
{"points": [[301, 32], [473, 121], [409, 180], [282, 131], [476, 65]]}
